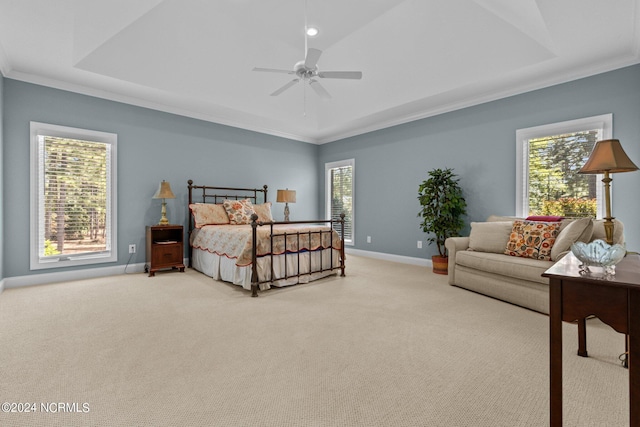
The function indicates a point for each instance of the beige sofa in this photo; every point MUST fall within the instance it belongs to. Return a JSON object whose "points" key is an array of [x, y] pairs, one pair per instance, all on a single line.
{"points": [[479, 263]]}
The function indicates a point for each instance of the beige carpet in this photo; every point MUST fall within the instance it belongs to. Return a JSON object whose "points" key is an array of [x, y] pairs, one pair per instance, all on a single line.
{"points": [[388, 345]]}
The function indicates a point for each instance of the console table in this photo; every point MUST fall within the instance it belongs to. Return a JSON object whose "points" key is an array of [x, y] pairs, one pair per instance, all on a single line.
{"points": [[614, 300]]}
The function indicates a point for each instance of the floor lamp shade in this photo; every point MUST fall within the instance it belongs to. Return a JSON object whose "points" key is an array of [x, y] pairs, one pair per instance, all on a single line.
{"points": [[608, 157], [164, 192]]}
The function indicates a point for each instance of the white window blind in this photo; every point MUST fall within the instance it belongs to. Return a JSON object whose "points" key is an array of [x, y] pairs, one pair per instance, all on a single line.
{"points": [[340, 195], [555, 187], [72, 210], [549, 159]]}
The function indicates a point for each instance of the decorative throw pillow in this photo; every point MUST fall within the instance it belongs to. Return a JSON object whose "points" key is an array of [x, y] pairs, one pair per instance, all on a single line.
{"points": [[239, 211], [489, 236], [264, 212], [578, 230], [208, 214], [532, 239]]}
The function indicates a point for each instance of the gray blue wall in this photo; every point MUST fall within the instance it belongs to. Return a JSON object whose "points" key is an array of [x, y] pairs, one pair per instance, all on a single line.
{"points": [[479, 143], [152, 146]]}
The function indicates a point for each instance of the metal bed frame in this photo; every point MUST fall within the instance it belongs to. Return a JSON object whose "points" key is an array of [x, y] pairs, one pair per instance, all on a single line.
{"points": [[211, 194]]}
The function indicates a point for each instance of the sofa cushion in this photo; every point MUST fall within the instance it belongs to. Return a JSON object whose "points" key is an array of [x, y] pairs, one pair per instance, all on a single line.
{"points": [[578, 230], [493, 218], [599, 233], [532, 239], [490, 236], [505, 265]]}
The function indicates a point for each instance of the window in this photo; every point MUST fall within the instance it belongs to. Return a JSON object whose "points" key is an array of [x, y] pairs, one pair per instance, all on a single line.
{"points": [[339, 193], [73, 199], [549, 158]]}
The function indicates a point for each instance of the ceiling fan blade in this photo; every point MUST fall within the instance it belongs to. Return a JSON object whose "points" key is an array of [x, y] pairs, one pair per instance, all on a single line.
{"points": [[273, 70], [285, 87], [356, 75], [317, 87], [311, 60]]}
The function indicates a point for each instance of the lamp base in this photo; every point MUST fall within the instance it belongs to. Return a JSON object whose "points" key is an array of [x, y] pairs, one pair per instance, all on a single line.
{"points": [[286, 212], [164, 220], [608, 229]]}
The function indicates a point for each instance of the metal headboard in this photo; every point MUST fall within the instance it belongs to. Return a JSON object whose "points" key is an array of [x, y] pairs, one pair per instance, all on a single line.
{"points": [[210, 194]]}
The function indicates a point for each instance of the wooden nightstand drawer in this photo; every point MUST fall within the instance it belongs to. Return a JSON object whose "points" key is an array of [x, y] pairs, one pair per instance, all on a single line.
{"points": [[165, 248], [166, 255]]}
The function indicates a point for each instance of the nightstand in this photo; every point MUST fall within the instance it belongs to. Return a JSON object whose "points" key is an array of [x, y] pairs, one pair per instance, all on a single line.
{"points": [[164, 248]]}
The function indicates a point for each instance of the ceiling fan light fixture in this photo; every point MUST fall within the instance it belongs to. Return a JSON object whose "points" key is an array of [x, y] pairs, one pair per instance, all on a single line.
{"points": [[312, 31]]}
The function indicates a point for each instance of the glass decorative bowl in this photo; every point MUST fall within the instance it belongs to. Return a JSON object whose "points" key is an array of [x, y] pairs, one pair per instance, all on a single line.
{"points": [[598, 254]]}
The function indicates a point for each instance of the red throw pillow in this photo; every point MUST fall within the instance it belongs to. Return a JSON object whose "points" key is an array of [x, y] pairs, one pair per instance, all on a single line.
{"points": [[545, 218]]}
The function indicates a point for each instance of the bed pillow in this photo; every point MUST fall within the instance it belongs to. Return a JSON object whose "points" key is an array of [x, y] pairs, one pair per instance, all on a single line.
{"points": [[532, 239], [490, 236], [239, 211], [208, 214], [264, 212], [578, 230]]}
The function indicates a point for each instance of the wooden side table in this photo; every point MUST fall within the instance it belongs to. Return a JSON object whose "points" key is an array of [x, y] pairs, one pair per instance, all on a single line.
{"points": [[615, 301], [164, 248]]}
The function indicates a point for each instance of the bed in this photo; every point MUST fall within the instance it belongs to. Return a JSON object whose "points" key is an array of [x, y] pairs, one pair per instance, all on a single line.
{"points": [[233, 238]]}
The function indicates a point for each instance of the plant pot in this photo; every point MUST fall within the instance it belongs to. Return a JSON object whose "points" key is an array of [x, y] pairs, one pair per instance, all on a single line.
{"points": [[440, 264]]}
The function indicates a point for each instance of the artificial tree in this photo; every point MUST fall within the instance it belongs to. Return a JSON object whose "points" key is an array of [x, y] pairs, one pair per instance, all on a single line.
{"points": [[442, 208]]}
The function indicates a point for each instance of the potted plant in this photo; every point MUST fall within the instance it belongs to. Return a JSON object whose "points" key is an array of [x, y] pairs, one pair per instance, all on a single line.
{"points": [[442, 210]]}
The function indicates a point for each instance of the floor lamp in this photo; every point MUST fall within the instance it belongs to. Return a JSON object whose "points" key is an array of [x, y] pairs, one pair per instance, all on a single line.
{"points": [[608, 157]]}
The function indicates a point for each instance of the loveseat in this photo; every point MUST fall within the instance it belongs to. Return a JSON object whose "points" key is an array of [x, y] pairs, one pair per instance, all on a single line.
{"points": [[485, 261]]}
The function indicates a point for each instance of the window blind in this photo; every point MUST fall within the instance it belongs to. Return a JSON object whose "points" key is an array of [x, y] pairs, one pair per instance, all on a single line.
{"points": [[342, 197], [555, 187], [74, 197]]}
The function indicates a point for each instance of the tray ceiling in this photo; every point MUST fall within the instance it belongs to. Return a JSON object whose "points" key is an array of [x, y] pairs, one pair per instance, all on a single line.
{"points": [[418, 57]]}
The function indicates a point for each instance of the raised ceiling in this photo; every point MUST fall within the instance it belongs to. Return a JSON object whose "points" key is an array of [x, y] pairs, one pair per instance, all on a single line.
{"points": [[418, 57]]}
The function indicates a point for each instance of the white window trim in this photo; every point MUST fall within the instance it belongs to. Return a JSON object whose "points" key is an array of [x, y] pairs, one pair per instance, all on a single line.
{"points": [[604, 122], [327, 192], [37, 263]]}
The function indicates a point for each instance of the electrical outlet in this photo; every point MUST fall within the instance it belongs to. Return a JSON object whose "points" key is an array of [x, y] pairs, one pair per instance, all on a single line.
{"points": [[132, 249], [368, 239], [419, 244]]}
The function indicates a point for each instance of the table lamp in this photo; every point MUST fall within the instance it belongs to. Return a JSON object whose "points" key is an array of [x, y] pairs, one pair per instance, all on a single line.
{"points": [[286, 196], [164, 192], [608, 157]]}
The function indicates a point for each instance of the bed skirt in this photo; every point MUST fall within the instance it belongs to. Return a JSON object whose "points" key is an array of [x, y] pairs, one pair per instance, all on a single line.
{"points": [[225, 269]]}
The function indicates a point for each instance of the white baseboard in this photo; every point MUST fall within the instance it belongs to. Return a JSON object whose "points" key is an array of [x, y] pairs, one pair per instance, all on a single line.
{"points": [[87, 273], [389, 257], [1, 285]]}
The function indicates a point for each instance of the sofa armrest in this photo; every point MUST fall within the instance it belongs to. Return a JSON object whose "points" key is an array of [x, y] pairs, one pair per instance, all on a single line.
{"points": [[453, 245]]}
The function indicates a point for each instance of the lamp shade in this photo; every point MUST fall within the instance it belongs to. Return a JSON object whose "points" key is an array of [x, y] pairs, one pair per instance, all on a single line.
{"points": [[164, 191], [286, 196], [608, 156]]}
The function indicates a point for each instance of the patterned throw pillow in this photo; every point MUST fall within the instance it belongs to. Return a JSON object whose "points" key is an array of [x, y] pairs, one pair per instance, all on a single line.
{"points": [[264, 212], [532, 239], [239, 211], [208, 214]]}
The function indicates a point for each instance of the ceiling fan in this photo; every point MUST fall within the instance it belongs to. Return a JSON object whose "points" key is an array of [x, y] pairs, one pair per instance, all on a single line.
{"points": [[307, 71]]}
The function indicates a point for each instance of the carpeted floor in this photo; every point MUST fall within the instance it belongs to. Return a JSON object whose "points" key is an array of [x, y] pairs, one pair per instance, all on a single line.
{"points": [[388, 345]]}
